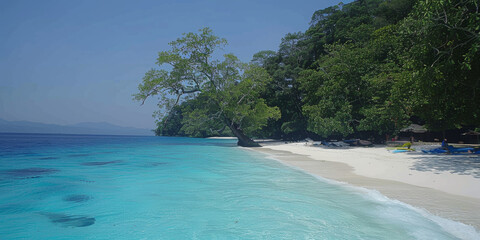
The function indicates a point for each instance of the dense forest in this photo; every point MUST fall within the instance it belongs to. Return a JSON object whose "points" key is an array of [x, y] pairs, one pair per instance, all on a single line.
{"points": [[364, 69]]}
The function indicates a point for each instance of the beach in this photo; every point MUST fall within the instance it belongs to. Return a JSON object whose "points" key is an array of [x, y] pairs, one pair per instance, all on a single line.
{"points": [[445, 185]]}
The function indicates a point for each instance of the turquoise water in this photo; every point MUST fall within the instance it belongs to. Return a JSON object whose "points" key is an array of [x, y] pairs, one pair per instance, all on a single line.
{"points": [[119, 187]]}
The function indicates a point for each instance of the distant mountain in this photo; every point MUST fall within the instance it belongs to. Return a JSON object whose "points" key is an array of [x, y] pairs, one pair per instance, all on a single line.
{"points": [[100, 128]]}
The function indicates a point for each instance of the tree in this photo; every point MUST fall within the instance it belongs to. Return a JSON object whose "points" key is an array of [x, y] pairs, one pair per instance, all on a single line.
{"points": [[442, 42], [230, 89], [185, 120], [283, 91], [335, 94]]}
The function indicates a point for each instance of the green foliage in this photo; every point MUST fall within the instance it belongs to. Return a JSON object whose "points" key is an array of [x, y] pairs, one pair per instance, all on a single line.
{"points": [[262, 58], [332, 64], [392, 11], [212, 93], [336, 93], [370, 66], [330, 118], [193, 118], [444, 40], [242, 103], [171, 124], [282, 90]]}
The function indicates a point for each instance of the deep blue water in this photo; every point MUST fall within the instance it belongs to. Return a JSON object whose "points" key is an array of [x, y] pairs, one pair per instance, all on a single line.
{"points": [[127, 187]]}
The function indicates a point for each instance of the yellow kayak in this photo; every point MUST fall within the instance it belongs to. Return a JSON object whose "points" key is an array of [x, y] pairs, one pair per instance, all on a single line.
{"points": [[400, 148]]}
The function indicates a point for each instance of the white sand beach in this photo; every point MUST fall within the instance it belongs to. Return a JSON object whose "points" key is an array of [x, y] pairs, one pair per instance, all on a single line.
{"points": [[227, 138], [445, 185]]}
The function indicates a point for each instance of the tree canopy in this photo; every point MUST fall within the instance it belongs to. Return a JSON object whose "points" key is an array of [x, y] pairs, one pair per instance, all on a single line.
{"points": [[225, 91]]}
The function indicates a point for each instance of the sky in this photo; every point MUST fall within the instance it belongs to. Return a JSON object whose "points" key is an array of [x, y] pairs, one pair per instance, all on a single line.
{"points": [[65, 62]]}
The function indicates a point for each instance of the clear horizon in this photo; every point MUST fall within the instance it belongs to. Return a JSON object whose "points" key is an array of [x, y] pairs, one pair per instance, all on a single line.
{"points": [[71, 62], [73, 124]]}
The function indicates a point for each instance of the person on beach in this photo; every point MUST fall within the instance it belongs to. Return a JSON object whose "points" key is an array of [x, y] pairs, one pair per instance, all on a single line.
{"points": [[445, 144]]}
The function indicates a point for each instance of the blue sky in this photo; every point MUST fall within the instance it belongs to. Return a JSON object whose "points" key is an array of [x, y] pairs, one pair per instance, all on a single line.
{"points": [[66, 62]]}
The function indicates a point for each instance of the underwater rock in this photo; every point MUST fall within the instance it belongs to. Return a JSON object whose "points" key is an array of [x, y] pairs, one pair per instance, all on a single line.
{"points": [[29, 172], [48, 158], [77, 198], [99, 163], [154, 164], [65, 220], [86, 181]]}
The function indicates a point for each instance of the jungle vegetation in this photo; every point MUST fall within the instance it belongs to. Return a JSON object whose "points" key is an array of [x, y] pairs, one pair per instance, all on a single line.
{"points": [[367, 68]]}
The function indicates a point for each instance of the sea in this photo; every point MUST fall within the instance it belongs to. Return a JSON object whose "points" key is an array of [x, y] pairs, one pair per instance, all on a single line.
{"points": [[56, 186]]}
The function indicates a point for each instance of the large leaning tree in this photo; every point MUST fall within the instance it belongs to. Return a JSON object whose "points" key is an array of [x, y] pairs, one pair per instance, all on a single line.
{"points": [[229, 90]]}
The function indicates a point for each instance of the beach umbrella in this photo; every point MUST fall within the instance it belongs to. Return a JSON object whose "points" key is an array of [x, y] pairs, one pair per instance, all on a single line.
{"points": [[472, 133]]}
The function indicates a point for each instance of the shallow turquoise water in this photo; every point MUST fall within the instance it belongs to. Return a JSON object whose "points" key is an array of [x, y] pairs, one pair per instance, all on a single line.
{"points": [[118, 187]]}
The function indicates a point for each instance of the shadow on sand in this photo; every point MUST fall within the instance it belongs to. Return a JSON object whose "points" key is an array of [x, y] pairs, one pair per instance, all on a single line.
{"points": [[458, 164]]}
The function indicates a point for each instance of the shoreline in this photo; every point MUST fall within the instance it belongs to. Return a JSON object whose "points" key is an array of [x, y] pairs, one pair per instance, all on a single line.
{"points": [[368, 168], [224, 138]]}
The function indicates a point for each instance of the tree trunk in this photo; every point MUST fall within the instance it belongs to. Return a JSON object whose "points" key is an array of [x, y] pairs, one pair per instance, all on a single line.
{"points": [[243, 140]]}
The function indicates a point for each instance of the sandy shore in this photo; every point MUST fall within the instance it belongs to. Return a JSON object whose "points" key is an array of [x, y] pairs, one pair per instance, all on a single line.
{"points": [[228, 138], [447, 186]]}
